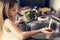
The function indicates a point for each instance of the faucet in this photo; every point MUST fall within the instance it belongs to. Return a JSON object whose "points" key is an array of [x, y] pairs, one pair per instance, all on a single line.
{"points": [[55, 18]]}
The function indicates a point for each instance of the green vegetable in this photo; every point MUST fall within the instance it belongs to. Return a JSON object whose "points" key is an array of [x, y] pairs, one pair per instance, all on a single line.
{"points": [[30, 14]]}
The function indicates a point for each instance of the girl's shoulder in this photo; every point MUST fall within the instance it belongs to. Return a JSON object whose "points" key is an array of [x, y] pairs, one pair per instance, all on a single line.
{"points": [[7, 22]]}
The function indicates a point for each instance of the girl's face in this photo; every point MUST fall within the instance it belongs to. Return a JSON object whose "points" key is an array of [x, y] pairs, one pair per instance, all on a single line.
{"points": [[12, 11]]}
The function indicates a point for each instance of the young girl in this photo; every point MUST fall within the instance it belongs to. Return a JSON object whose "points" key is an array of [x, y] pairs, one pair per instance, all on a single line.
{"points": [[10, 29]]}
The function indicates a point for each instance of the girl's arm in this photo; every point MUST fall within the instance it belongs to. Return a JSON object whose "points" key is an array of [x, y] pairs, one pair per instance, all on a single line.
{"points": [[23, 35]]}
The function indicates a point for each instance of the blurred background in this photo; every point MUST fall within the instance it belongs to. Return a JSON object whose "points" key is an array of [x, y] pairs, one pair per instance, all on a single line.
{"points": [[41, 3]]}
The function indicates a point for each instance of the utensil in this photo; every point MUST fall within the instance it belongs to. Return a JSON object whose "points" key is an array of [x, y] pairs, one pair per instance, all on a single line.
{"points": [[50, 23]]}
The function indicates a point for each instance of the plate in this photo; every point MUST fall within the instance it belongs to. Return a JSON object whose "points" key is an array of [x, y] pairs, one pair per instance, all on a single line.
{"points": [[43, 18]]}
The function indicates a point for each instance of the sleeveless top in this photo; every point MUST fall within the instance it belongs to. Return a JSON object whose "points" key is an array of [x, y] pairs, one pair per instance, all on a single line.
{"points": [[9, 36]]}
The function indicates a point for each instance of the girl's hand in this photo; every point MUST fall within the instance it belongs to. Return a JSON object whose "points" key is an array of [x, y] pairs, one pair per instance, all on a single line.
{"points": [[44, 30], [20, 19]]}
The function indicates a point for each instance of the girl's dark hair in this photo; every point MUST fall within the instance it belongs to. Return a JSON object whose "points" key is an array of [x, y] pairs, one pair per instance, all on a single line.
{"points": [[11, 3], [4, 14]]}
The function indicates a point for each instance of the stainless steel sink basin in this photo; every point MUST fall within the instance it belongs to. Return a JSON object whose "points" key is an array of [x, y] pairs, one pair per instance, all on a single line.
{"points": [[41, 35]]}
